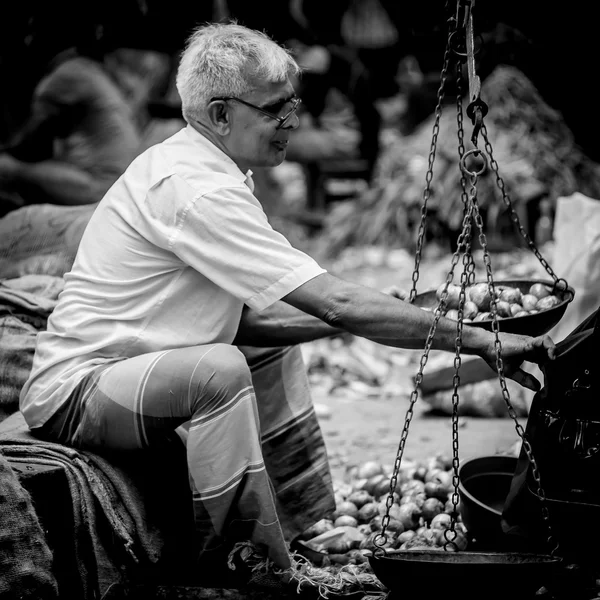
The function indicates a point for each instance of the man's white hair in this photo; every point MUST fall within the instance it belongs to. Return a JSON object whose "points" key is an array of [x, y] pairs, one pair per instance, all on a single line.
{"points": [[221, 60]]}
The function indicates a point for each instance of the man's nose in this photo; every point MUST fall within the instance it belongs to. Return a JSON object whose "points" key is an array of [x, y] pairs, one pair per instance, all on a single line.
{"points": [[293, 122]]}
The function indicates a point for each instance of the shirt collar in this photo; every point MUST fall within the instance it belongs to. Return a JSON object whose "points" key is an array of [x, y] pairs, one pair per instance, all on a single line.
{"points": [[229, 165]]}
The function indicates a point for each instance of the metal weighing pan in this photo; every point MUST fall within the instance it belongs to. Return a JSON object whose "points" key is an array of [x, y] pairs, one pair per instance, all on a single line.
{"points": [[535, 324], [464, 575]]}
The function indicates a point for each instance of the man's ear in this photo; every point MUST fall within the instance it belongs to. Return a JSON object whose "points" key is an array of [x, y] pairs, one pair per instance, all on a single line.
{"points": [[218, 115]]}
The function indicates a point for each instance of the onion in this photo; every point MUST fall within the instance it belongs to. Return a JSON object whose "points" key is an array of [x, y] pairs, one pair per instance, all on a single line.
{"points": [[345, 508], [360, 498], [343, 489], [372, 482], [436, 490], [345, 520], [369, 469], [511, 295], [441, 521], [479, 294], [483, 316], [408, 514], [433, 475], [376, 523], [503, 308], [367, 512], [396, 513], [453, 294], [420, 473], [431, 508], [470, 310], [515, 308], [414, 486], [529, 302], [547, 302], [539, 290], [395, 526], [382, 488], [369, 541], [418, 499], [317, 529], [405, 536]]}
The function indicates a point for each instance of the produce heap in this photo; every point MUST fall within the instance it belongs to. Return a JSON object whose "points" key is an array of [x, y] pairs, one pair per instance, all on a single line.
{"points": [[532, 145], [337, 561], [510, 301], [420, 513]]}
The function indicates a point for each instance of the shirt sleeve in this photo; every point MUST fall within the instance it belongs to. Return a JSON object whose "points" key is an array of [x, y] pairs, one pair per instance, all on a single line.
{"points": [[226, 236]]}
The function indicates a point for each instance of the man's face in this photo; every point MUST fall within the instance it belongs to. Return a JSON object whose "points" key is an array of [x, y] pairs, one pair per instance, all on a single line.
{"points": [[255, 139]]}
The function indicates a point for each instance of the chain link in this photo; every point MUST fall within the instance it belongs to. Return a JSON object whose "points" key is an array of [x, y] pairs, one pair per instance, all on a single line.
{"points": [[559, 284], [466, 279], [500, 369], [461, 153], [471, 219], [381, 538], [450, 534], [429, 175]]}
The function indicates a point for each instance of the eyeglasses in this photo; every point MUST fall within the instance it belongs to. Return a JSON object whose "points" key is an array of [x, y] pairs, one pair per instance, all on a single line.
{"points": [[295, 102]]}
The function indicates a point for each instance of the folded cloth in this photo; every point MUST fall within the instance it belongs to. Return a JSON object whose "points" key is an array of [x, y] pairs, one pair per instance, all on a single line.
{"points": [[25, 305], [41, 238], [36, 294], [100, 491], [25, 558]]}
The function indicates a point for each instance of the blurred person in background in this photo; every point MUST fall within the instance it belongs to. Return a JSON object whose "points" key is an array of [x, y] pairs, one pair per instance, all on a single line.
{"points": [[87, 115]]}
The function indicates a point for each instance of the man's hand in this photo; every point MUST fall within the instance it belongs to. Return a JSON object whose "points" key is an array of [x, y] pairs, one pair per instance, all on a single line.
{"points": [[396, 292], [518, 348]]}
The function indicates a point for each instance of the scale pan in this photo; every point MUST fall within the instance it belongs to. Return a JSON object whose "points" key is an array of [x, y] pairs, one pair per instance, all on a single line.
{"points": [[471, 574], [533, 324]]}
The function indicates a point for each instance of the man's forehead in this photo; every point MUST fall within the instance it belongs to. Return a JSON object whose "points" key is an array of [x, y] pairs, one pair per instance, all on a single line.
{"points": [[274, 90]]}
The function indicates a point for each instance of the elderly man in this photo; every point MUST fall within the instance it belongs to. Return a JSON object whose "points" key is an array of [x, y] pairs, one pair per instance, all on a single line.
{"points": [[177, 273]]}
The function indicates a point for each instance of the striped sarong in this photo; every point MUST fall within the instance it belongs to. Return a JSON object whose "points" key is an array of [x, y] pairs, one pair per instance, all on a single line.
{"points": [[256, 456]]}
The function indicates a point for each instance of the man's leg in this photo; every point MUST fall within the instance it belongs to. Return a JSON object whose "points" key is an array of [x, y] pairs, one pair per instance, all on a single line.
{"points": [[134, 403], [292, 442]]}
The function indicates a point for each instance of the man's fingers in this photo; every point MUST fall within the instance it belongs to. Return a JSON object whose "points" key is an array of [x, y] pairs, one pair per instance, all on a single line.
{"points": [[550, 347], [526, 380], [546, 347], [396, 292]]}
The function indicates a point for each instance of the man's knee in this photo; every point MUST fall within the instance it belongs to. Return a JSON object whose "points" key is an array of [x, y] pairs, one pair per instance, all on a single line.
{"points": [[229, 369]]}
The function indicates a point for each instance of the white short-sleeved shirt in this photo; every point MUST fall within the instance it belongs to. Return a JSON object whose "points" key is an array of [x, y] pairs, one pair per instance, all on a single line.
{"points": [[170, 256]]}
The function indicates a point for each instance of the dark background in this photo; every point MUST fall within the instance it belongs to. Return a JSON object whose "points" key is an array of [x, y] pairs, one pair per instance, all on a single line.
{"points": [[554, 45]]}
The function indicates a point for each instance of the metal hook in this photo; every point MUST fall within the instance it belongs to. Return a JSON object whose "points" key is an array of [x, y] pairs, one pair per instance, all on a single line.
{"points": [[476, 111]]}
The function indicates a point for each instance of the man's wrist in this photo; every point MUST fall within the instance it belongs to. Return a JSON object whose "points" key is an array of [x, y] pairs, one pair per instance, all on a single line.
{"points": [[478, 341]]}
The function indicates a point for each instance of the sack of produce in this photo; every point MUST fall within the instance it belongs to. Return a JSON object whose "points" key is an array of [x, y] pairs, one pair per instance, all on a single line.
{"points": [[482, 399]]}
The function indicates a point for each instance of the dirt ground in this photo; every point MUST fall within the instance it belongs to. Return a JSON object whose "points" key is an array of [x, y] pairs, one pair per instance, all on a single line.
{"points": [[357, 431]]}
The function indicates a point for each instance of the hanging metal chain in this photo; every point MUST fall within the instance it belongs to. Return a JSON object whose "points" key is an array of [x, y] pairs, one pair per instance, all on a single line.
{"points": [[430, 162], [551, 541], [467, 278], [461, 152], [559, 284], [381, 538], [450, 534]]}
